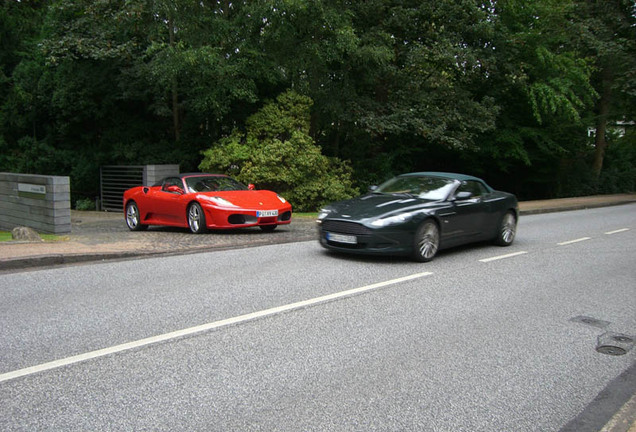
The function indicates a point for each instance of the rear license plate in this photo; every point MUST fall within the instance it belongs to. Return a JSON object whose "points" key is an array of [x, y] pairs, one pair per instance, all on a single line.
{"points": [[267, 213], [341, 238]]}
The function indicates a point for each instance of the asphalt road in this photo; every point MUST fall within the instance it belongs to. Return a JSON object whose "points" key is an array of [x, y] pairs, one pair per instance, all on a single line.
{"points": [[289, 337]]}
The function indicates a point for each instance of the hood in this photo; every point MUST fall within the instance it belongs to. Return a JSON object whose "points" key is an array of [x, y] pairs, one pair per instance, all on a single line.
{"points": [[374, 205], [246, 199]]}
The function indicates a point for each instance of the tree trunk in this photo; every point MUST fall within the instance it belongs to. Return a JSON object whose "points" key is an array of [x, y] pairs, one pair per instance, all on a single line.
{"points": [[175, 94], [601, 121]]}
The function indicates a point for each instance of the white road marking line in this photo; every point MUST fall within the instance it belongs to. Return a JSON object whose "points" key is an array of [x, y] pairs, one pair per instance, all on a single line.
{"points": [[617, 231], [574, 241], [203, 328], [510, 255]]}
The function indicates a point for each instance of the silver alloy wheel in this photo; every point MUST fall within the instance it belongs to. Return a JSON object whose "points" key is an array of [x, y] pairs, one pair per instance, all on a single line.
{"points": [[132, 216], [196, 219], [508, 230], [427, 241]]}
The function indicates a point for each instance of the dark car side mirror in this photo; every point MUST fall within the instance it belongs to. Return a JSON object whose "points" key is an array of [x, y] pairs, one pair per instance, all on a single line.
{"points": [[463, 195]]}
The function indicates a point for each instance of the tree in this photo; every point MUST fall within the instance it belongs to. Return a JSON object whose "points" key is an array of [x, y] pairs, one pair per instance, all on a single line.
{"points": [[413, 84], [140, 82], [541, 82], [180, 59], [276, 152], [608, 35], [24, 114], [489, 87]]}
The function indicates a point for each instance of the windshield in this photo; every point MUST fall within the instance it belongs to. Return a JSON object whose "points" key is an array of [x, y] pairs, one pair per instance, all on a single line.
{"points": [[425, 187], [213, 183]]}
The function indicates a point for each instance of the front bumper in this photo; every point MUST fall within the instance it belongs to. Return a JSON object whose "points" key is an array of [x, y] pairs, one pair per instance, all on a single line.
{"points": [[368, 241], [240, 218]]}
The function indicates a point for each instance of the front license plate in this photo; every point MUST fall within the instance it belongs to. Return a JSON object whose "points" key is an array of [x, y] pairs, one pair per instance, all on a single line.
{"points": [[341, 238], [267, 213]]}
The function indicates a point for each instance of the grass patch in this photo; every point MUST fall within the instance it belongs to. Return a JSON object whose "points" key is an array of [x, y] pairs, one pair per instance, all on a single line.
{"points": [[6, 236], [53, 237], [305, 215]]}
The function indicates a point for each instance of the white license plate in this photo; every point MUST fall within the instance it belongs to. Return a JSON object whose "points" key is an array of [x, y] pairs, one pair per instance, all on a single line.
{"points": [[267, 213], [341, 238]]}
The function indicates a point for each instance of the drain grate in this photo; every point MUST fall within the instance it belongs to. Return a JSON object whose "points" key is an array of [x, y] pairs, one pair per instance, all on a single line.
{"points": [[611, 350], [615, 344], [590, 321], [610, 343]]}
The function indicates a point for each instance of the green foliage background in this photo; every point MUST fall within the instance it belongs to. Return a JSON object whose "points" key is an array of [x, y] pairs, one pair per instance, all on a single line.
{"points": [[319, 99]]}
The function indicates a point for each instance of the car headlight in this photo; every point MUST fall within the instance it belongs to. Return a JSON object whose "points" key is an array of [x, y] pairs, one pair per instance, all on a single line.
{"points": [[283, 200], [392, 220], [219, 201], [323, 213]]}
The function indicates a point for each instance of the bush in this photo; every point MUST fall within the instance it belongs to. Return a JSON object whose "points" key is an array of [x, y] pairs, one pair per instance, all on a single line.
{"points": [[85, 204], [276, 152]]}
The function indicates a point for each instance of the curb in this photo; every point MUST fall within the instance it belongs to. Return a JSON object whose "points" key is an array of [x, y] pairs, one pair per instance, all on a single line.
{"points": [[52, 260], [572, 207], [61, 259]]}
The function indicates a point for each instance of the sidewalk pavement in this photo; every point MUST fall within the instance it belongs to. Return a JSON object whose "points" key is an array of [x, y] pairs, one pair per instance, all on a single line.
{"points": [[97, 236]]}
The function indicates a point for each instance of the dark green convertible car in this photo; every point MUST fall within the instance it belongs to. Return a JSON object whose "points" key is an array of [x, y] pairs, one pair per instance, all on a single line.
{"points": [[418, 214]]}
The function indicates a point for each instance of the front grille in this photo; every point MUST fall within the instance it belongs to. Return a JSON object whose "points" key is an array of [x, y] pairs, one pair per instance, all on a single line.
{"points": [[236, 219], [241, 219], [343, 227]]}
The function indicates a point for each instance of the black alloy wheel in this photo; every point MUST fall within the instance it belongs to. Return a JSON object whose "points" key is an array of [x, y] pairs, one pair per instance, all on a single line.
{"points": [[507, 230]]}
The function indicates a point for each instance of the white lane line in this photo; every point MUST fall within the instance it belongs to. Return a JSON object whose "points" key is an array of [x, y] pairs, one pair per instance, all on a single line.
{"points": [[510, 255], [574, 241], [617, 231], [202, 328]]}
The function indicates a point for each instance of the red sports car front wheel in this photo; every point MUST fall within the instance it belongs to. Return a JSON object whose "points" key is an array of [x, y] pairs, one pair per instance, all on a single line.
{"points": [[196, 219]]}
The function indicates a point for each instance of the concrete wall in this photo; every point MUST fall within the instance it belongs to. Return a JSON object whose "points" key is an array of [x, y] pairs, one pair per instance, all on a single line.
{"points": [[40, 202], [155, 173]]}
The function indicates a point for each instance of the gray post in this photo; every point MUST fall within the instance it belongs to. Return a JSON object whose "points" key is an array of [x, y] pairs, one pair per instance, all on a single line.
{"points": [[36, 201]]}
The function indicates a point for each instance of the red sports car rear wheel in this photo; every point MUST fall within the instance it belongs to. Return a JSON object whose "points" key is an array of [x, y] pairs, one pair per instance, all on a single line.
{"points": [[133, 218]]}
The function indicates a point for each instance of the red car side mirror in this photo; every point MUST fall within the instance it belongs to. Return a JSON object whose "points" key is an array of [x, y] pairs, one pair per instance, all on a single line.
{"points": [[251, 186], [175, 189]]}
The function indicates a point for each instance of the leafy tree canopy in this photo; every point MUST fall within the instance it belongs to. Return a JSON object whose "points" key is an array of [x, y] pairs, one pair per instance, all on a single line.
{"points": [[486, 87]]}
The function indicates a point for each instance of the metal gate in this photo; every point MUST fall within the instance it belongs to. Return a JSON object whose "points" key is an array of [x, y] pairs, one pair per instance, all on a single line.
{"points": [[115, 180]]}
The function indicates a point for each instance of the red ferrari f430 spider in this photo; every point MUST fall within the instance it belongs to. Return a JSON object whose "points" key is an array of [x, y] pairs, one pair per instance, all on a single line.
{"points": [[204, 201]]}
